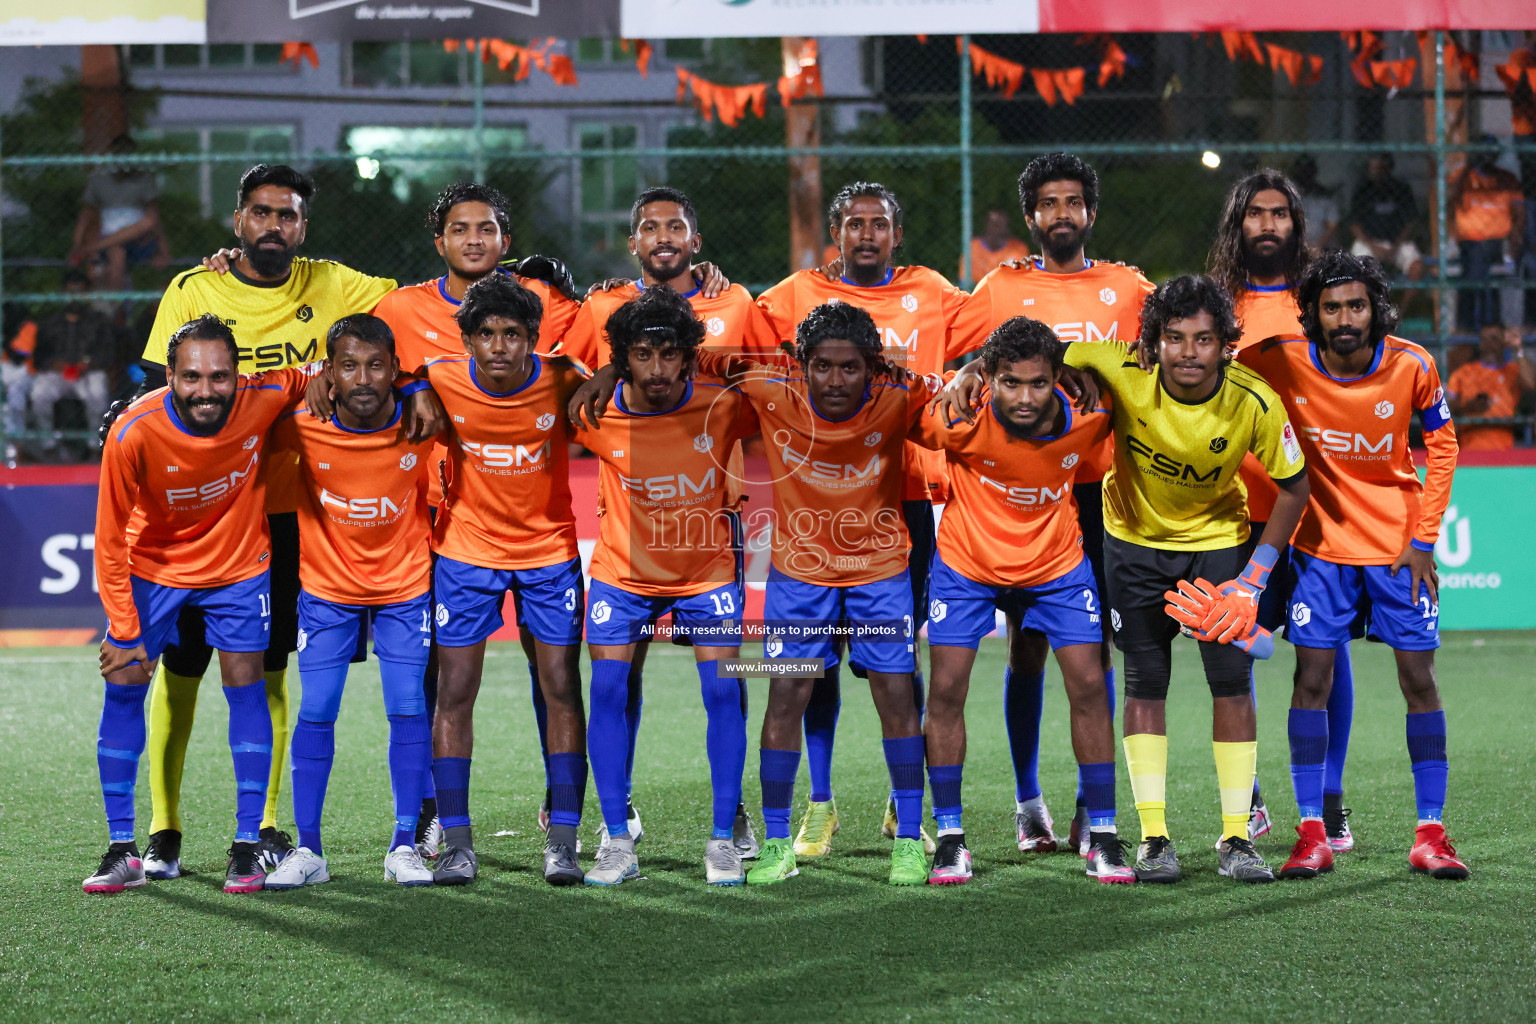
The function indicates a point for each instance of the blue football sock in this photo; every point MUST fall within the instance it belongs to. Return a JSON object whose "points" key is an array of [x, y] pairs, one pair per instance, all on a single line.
{"points": [[821, 731], [608, 741], [634, 703], [1309, 746], [1097, 783], [540, 717], [1426, 750], [1023, 702], [119, 744], [725, 740], [904, 761], [944, 780], [569, 788], [1341, 714], [409, 738], [312, 751], [250, 745], [452, 777], [776, 772]]}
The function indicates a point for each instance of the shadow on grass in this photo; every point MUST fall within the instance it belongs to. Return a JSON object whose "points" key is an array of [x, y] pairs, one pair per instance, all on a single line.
{"points": [[670, 948]]}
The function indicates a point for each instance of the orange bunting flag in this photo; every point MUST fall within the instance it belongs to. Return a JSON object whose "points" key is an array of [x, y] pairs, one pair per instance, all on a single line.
{"points": [[1069, 83], [295, 52], [923, 40], [1243, 44], [1314, 69], [1396, 74], [731, 102], [999, 72], [1282, 59], [642, 54], [562, 70], [1511, 76], [1113, 63], [1045, 84]]}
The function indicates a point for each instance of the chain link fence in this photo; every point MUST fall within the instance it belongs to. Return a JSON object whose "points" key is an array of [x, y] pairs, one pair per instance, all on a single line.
{"points": [[383, 126]]}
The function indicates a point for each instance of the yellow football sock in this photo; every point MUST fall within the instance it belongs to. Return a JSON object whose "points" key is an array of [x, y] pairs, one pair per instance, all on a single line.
{"points": [[277, 704], [1235, 763], [172, 708], [1146, 761]]}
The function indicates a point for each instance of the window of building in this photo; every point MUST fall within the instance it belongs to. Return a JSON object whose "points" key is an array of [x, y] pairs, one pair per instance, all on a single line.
{"points": [[438, 156], [608, 185], [419, 62], [217, 57], [215, 182]]}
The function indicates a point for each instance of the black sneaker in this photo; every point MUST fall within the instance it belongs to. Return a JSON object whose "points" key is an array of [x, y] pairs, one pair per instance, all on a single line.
{"points": [[162, 860], [273, 849], [1157, 861], [121, 868], [244, 873], [951, 862]]}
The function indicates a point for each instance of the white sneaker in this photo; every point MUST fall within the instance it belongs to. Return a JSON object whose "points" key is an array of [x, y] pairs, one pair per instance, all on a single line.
{"points": [[300, 868], [430, 839], [636, 832], [404, 866], [722, 863], [616, 863]]}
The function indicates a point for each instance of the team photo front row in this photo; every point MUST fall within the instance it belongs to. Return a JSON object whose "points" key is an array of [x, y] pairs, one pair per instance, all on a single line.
{"points": [[424, 493]]}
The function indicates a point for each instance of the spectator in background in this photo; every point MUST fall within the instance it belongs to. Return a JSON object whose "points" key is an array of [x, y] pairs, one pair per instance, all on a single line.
{"points": [[20, 336], [1317, 199], [120, 219], [1488, 209], [994, 246], [1491, 386], [1522, 113], [76, 348], [1382, 217]]}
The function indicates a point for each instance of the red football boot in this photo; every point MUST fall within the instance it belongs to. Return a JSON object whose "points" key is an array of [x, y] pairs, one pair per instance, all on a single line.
{"points": [[1311, 856], [1434, 855]]}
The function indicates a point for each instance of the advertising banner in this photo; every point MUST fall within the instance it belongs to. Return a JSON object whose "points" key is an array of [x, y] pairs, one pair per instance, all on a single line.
{"points": [[89, 22], [315, 21], [650, 19], [48, 586], [1486, 557]]}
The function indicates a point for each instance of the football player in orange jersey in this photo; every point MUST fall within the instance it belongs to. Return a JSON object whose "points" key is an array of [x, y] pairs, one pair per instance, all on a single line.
{"points": [[180, 521], [471, 229], [364, 563], [836, 426], [1009, 540], [1363, 554], [665, 239], [915, 310], [506, 523], [1259, 253], [1081, 299], [666, 545]]}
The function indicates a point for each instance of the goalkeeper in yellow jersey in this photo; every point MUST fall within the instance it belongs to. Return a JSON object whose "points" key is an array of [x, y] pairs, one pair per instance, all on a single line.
{"points": [[1174, 509]]}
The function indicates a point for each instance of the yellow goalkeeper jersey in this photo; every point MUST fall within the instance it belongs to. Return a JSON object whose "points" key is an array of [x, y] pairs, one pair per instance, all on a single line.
{"points": [[1174, 482], [277, 325]]}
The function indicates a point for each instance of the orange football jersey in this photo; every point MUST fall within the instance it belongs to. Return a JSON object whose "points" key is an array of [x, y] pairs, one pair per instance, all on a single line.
{"points": [[1101, 302], [507, 501], [732, 323], [421, 318], [916, 310], [1011, 520], [984, 260], [836, 492], [1502, 386], [1266, 312], [664, 484], [363, 527], [180, 509], [1367, 502]]}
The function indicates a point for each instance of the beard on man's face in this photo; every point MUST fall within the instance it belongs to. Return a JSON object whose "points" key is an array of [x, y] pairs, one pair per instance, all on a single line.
{"points": [[1271, 260], [267, 259], [1062, 240]]}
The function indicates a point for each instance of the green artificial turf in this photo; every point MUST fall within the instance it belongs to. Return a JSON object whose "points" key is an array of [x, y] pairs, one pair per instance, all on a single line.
{"points": [[1029, 939]]}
